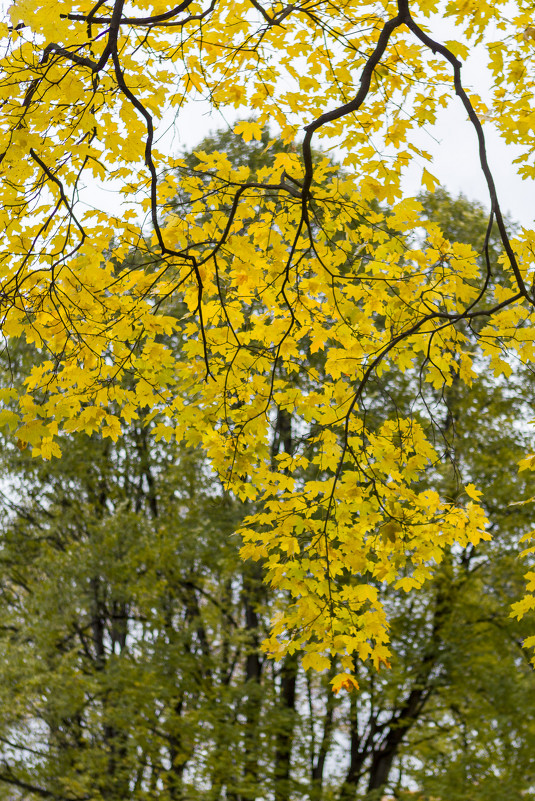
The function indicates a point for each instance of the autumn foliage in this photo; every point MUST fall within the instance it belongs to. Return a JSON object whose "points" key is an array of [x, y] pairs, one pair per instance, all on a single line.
{"points": [[262, 316]]}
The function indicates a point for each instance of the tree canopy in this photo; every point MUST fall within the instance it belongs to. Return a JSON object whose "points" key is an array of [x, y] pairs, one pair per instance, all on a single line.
{"points": [[130, 630], [265, 315]]}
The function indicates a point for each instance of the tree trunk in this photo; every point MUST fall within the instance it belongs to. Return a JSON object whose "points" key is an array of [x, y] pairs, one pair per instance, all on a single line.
{"points": [[285, 733]]}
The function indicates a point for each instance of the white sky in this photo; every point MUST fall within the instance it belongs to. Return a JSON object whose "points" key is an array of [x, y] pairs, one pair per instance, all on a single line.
{"points": [[456, 159]]}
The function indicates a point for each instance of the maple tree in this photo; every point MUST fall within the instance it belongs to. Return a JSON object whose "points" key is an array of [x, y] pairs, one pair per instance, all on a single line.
{"points": [[130, 633], [267, 271]]}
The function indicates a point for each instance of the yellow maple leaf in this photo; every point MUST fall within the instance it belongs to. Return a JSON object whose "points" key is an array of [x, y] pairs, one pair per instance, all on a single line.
{"points": [[248, 129], [429, 180], [472, 492], [344, 681]]}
